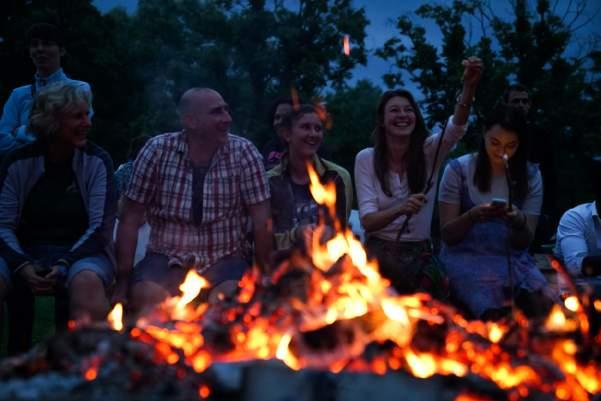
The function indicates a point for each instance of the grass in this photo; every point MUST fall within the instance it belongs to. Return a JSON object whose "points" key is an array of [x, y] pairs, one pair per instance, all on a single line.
{"points": [[43, 324]]}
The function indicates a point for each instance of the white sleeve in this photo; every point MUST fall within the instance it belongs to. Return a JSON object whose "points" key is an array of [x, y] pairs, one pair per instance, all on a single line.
{"points": [[534, 199], [452, 134], [450, 186], [365, 183]]}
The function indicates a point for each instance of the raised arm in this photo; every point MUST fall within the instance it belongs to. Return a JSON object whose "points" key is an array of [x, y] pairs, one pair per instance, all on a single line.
{"points": [[472, 72]]}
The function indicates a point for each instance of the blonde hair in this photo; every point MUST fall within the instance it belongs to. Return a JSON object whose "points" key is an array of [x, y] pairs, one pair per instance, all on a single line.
{"points": [[50, 103]]}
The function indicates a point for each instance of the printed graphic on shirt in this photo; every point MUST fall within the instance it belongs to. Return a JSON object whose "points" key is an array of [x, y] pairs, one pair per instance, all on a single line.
{"points": [[306, 210]]}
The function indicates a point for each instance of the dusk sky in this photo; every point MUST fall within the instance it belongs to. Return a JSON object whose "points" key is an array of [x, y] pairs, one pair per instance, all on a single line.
{"points": [[381, 14]]}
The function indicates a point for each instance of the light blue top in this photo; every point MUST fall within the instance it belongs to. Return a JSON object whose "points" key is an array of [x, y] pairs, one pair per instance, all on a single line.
{"points": [[578, 236], [16, 110]]}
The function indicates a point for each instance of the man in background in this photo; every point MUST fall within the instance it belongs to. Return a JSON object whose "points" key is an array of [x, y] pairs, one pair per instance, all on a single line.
{"points": [[542, 153]]}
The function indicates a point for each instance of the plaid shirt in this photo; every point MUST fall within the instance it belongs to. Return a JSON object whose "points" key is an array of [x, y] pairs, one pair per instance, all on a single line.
{"points": [[162, 181]]}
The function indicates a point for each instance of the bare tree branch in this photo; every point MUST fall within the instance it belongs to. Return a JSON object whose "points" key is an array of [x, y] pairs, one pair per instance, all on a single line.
{"points": [[567, 12], [587, 21]]}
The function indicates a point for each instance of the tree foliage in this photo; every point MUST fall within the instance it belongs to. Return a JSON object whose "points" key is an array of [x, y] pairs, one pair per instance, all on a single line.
{"points": [[530, 46], [353, 111], [138, 65]]}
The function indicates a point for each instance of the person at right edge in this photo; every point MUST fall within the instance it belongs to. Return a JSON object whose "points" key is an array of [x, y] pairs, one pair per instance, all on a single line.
{"points": [[578, 243]]}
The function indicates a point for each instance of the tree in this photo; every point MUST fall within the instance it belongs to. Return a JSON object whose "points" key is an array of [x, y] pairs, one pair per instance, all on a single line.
{"points": [[247, 51], [353, 114], [139, 65]]}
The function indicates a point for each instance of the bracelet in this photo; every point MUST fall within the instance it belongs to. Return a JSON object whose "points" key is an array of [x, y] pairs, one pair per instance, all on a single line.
{"points": [[460, 103], [465, 106]]}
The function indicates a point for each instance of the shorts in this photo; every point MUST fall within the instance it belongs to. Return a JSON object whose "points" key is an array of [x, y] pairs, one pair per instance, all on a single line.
{"points": [[155, 268], [44, 254]]}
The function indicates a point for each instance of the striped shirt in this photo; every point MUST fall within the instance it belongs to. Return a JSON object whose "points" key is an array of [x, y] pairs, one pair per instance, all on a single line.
{"points": [[162, 180]]}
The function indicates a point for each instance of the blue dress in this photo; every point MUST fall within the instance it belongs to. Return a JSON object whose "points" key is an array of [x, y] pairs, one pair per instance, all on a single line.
{"points": [[477, 267]]}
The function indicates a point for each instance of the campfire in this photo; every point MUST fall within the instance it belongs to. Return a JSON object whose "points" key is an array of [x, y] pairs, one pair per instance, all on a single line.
{"points": [[326, 308]]}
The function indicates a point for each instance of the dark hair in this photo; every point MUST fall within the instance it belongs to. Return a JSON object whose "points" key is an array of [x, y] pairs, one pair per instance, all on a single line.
{"points": [[416, 161], [45, 31], [135, 145], [291, 117], [514, 88], [274, 106], [512, 119]]}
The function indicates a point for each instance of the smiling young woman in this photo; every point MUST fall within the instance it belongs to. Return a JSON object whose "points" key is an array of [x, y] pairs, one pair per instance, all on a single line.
{"points": [[392, 191], [294, 211]]}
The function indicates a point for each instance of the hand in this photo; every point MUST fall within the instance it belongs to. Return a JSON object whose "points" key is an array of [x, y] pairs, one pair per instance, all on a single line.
{"points": [[54, 274], [223, 291], [305, 232], [120, 292], [38, 284], [517, 219], [485, 212], [413, 204], [472, 70]]}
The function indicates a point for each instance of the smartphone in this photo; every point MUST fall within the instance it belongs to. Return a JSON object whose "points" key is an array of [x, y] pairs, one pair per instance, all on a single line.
{"points": [[498, 202]]}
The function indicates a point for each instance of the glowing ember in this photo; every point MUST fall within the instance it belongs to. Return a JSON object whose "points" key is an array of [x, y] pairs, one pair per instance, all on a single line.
{"points": [[471, 397], [91, 374], [91, 367], [572, 303], [204, 391]]}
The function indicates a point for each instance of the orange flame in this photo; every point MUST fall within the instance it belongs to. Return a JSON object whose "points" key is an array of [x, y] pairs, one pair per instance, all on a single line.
{"points": [[342, 295], [295, 98], [91, 367], [91, 374], [346, 45], [115, 317]]}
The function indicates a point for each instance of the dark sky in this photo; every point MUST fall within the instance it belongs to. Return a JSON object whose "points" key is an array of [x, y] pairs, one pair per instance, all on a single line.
{"points": [[382, 12]]}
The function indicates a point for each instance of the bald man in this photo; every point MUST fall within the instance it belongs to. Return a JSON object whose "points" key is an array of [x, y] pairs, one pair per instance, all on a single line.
{"points": [[197, 187]]}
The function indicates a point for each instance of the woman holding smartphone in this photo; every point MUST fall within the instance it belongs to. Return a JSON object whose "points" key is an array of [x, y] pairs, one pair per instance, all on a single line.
{"points": [[483, 234]]}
